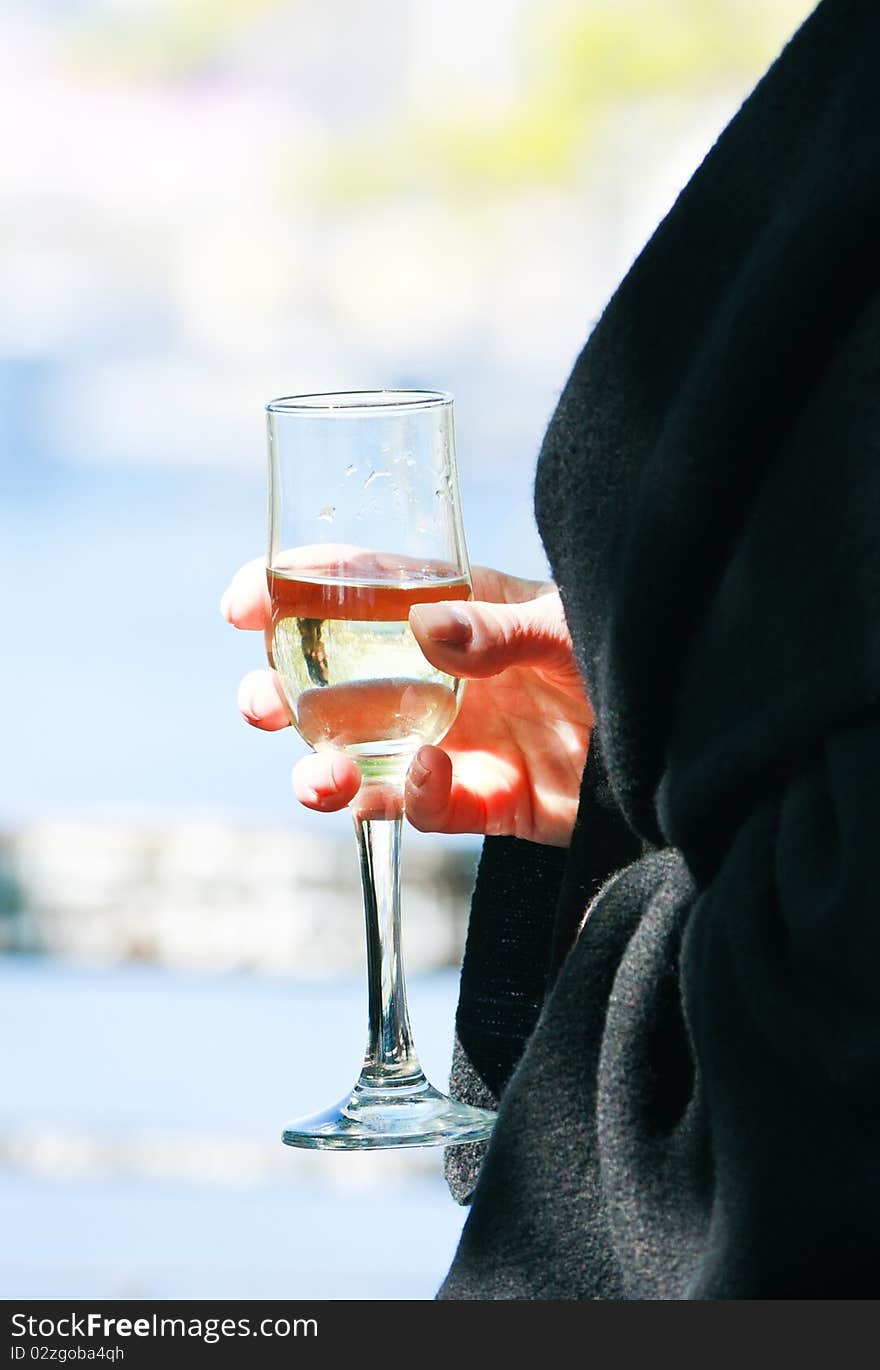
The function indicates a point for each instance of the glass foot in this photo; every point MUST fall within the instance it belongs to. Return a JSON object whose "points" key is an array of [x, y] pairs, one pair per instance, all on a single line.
{"points": [[412, 1114]]}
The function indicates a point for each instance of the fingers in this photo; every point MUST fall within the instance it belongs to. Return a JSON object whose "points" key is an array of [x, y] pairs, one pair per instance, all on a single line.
{"points": [[500, 588], [326, 781], [329, 781], [478, 639], [438, 801], [261, 701], [245, 604], [435, 801]]}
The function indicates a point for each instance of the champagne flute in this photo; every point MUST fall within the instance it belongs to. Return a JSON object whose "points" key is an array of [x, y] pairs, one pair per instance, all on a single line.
{"points": [[364, 522]]}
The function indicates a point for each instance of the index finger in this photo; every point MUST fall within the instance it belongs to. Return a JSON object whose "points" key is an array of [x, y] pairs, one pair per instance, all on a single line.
{"points": [[245, 604], [497, 587]]}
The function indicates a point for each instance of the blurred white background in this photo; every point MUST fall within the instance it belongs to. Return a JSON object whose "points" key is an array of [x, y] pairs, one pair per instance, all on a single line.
{"points": [[203, 204]]}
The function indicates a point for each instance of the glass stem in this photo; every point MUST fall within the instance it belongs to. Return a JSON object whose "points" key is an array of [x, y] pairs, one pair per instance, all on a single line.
{"points": [[391, 1059]]}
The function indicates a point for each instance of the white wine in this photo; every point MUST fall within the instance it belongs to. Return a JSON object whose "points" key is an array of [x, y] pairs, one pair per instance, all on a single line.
{"points": [[351, 669]]}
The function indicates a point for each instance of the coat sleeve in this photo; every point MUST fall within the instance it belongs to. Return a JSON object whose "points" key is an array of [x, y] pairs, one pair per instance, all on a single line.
{"points": [[528, 904]]}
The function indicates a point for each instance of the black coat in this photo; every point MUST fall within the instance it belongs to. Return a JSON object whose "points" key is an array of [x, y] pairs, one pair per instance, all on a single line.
{"points": [[690, 1107]]}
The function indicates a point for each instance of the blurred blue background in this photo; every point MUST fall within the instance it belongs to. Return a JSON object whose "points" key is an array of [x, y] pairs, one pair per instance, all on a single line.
{"points": [[203, 204]]}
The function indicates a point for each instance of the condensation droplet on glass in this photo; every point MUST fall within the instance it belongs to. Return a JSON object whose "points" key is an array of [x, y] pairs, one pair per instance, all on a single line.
{"points": [[350, 470], [376, 475], [328, 513]]}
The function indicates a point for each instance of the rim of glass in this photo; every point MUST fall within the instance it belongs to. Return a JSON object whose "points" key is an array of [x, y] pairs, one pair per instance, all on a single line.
{"points": [[344, 403]]}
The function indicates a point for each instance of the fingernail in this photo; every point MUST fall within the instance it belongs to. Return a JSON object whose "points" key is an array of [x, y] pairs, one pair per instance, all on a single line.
{"points": [[442, 624], [337, 771], [248, 706], [418, 771]]}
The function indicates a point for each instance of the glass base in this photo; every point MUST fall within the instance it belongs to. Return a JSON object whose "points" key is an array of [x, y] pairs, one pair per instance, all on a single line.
{"points": [[374, 1116]]}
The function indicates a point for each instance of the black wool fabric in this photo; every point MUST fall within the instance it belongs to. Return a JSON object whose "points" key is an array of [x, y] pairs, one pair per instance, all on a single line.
{"points": [[527, 910], [696, 1111]]}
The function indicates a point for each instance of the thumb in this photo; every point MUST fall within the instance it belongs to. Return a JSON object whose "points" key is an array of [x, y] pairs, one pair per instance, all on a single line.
{"points": [[478, 639]]}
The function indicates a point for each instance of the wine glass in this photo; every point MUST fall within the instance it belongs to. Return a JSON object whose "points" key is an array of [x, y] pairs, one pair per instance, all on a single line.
{"points": [[364, 522]]}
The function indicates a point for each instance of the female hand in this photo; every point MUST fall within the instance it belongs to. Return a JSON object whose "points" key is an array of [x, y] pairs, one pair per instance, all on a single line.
{"points": [[511, 763]]}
